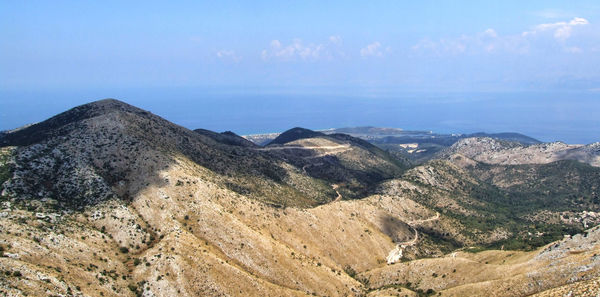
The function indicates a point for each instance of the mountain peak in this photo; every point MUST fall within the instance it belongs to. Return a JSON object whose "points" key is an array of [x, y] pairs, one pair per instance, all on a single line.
{"points": [[42, 130]]}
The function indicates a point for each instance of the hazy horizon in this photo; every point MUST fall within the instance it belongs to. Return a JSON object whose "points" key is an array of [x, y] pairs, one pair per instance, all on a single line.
{"points": [[271, 111], [250, 67]]}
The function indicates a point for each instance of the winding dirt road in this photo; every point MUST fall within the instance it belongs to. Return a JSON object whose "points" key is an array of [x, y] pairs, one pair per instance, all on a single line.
{"points": [[298, 147], [396, 254], [339, 196], [329, 150]]}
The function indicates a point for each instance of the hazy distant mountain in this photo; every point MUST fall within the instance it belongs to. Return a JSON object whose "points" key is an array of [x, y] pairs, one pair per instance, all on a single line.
{"points": [[107, 199], [396, 135]]}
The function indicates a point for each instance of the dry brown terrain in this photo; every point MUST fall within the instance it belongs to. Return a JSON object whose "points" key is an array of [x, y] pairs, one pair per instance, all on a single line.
{"points": [[109, 200]]}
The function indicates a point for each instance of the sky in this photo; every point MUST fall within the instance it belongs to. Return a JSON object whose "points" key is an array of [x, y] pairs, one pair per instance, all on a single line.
{"points": [[407, 45], [56, 54]]}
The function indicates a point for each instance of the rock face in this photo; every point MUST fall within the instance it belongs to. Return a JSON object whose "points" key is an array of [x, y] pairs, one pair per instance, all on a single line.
{"points": [[110, 200]]}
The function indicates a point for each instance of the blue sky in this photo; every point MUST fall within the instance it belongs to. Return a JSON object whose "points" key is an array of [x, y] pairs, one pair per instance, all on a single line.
{"points": [[385, 46], [266, 66]]}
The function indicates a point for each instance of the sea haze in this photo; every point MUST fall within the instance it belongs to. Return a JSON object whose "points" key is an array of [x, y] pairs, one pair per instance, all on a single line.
{"points": [[572, 117]]}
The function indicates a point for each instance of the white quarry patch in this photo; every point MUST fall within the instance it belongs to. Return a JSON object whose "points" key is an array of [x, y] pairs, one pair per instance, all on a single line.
{"points": [[409, 145], [395, 255]]}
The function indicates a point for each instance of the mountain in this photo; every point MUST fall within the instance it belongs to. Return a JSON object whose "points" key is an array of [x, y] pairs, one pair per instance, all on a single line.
{"points": [[107, 199], [493, 151], [100, 150]]}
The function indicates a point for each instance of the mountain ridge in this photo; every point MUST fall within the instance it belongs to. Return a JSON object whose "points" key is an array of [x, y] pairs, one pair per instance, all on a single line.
{"points": [[161, 210]]}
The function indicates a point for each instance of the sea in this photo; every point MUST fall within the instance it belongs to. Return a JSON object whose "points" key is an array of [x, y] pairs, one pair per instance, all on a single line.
{"points": [[568, 116]]}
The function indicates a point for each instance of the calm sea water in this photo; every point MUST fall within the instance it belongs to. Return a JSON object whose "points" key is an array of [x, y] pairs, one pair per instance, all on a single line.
{"points": [[572, 117]]}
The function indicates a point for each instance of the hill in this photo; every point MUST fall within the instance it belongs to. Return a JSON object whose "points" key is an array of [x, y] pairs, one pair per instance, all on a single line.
{"points": [[493, 151], [295, 134], [109, 200], [103, 149], [509, 136], [355, 166]]}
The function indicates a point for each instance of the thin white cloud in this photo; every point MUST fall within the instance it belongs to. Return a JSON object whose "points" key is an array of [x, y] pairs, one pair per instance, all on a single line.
{"points": [[561, 30], [374, 49], [489, 41], [335, 39], [298, 50], [228, 55]]}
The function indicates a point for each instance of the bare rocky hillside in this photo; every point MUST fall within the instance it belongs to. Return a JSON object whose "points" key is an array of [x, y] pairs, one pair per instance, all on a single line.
{"points": [[110, 200], [493, 151]]}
